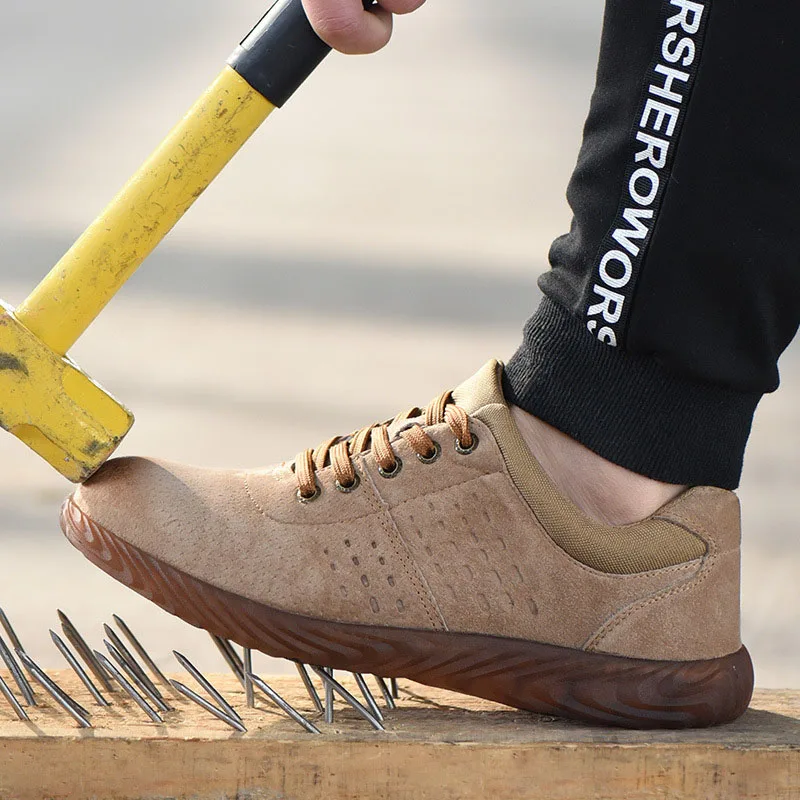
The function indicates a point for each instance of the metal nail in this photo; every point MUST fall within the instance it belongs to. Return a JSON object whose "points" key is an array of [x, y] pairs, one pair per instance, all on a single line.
{"points": [[12, 636], [16, 673], [134, 695], [85, 652], [212, 709], [139, 648], [135, 678], [347, 697], [74, 709], [134, 666], [248, 684], [386, 692], [206, 684], [310, 688], [78, 669], [231, 657], [395, 689], [328, 698], [368, 697], [282, 704], [13, 702], [32, 667], [17, 645]]}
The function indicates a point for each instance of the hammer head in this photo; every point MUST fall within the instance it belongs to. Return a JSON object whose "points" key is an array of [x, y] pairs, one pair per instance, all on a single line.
{"points": [[54, 407]]}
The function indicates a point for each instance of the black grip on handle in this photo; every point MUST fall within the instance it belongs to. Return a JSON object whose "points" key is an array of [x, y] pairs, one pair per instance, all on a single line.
{"points": [[277, 56]]}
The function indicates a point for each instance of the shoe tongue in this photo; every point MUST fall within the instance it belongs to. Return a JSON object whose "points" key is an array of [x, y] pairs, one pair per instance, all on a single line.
{"points": [[482, 389]]}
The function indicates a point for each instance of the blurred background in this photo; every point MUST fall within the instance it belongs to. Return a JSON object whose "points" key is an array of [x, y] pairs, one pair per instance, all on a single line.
{"points": [[374, 244]]}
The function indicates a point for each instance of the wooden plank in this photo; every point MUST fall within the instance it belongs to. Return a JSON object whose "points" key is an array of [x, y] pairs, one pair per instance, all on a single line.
{"points": [[438, 745]]}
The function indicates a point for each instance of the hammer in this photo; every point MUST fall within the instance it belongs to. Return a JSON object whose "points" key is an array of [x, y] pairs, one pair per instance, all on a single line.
{"points": [[46, 400]]}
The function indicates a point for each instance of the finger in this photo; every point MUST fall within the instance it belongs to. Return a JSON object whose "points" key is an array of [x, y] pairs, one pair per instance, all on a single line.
{"points": [[402, 6], [345, 26]]}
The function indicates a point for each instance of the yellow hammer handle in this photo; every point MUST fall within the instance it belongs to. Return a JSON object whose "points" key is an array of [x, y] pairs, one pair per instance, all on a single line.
{"points": [[80, 285]]}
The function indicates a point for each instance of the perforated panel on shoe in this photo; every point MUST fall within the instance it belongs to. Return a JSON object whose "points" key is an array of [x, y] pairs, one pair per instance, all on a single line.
{"points": [[365, 573], [358, 569], [492, 569]]}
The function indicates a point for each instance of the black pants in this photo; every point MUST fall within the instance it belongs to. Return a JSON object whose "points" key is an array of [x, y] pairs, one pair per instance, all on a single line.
{"points": [[678, 285]]}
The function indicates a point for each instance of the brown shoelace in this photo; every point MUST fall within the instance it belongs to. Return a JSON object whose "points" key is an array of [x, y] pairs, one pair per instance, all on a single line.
{"points": [[340, 451]]}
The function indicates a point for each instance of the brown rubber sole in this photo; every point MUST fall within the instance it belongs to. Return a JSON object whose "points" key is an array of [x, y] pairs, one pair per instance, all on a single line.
{"points": [[591, 687]]}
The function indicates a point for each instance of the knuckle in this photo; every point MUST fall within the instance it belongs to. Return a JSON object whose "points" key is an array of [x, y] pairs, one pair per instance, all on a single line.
{"points": [[341, 27]]}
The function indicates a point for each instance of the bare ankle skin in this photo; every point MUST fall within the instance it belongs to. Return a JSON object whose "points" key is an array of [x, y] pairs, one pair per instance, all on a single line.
{"points": [[604, 491]]}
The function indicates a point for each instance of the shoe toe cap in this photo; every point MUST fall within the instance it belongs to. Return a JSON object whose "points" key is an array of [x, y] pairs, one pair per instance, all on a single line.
{"points": [[143, 501], [121, 493]]}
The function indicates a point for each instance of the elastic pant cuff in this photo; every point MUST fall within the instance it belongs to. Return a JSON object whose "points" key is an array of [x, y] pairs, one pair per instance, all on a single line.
{"points": [[626, 407]]}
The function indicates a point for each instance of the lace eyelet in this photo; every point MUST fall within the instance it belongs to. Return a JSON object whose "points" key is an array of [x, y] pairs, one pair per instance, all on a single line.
{"points": [[303, 500], [434, 456], [466, 451], [351, 488], [398, 466]]}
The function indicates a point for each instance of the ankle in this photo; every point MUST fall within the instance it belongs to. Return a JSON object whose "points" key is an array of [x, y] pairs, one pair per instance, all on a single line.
{"points": [[604, 491]]}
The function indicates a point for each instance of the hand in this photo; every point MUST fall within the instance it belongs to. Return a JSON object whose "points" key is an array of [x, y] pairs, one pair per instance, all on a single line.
{"points": [[346, 27]]}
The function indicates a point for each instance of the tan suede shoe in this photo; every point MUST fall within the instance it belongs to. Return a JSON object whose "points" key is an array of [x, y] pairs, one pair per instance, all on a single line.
{"points": [[436, 548]]}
